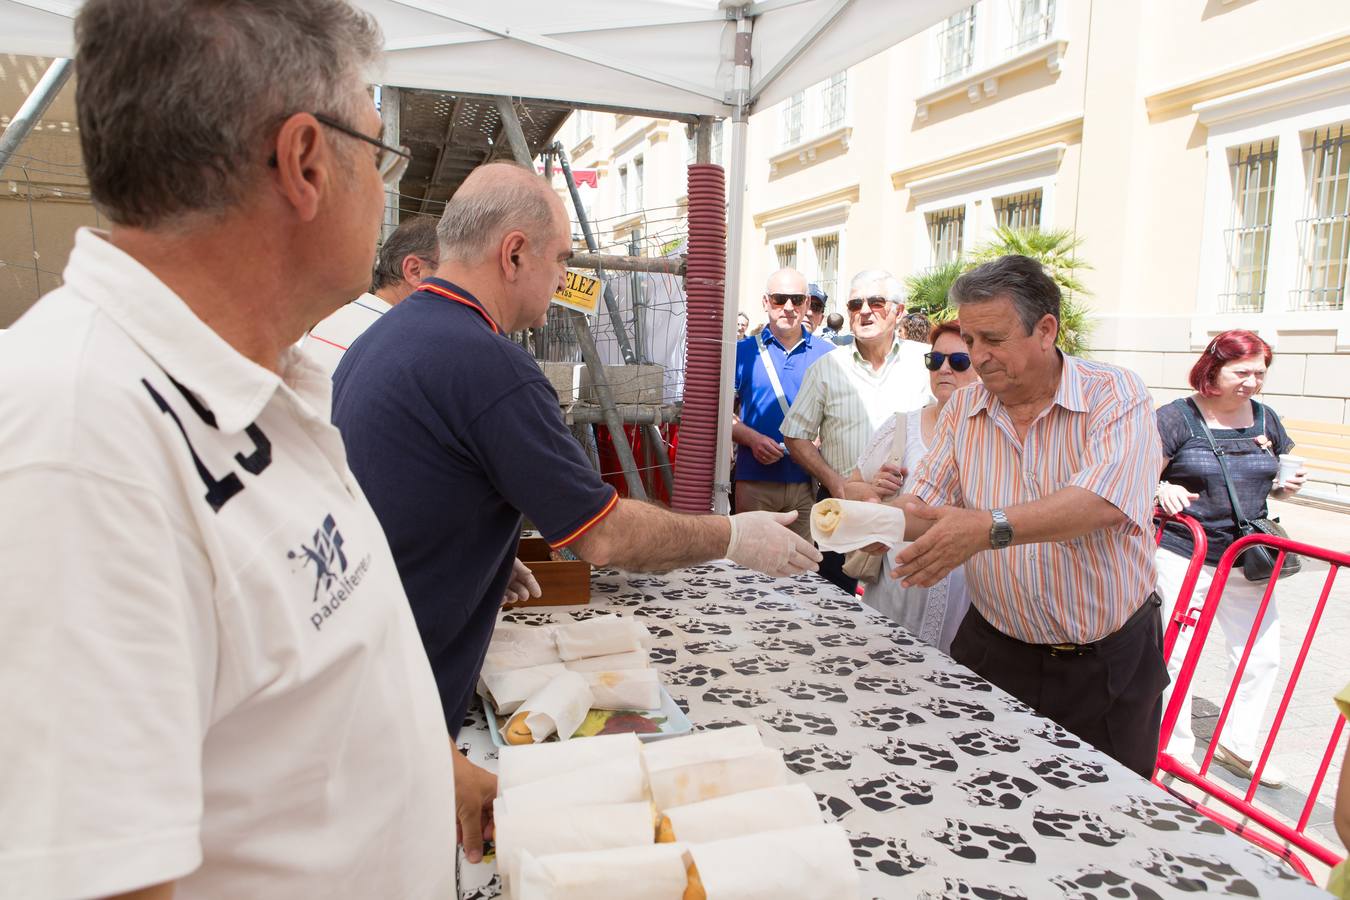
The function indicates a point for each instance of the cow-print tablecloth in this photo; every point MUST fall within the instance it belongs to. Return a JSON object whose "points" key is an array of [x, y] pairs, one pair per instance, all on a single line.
{"points": [[947, 786]]}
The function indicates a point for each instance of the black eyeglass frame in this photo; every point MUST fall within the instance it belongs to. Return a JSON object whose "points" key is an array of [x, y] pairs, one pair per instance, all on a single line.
{"points": [[933, 360], [855, 304], [798, 300], [386, 162]]}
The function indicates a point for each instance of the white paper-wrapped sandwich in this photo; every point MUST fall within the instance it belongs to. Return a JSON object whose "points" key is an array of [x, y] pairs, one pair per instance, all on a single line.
{"points": [[558, 707], [506, 689], [629, 873], [844, 525], [749, 812], [625, 689], [600, 636], [814, 862], [515, 646], [523, 765], [567, 829], [619, 780], [610, 662], [711, 764]]}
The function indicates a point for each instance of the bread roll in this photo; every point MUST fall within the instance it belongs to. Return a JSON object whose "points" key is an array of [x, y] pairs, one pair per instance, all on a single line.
{"points": [[665, 832], [825, 515], [694, 890], [517, 732]]}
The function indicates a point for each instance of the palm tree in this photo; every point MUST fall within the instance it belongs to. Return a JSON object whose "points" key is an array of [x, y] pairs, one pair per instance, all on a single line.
{"points": [[1056, 250]]}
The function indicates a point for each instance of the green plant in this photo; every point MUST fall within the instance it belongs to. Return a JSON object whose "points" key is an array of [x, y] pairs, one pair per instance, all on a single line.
{"points": [[1057, 250]]}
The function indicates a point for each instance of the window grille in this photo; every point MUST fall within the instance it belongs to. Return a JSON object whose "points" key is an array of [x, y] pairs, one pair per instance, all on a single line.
{"points": [[1252, 169], [834, 100], [792, 118], [787, 255], [956, 45], [1324, 231], [1032, 22], [623, 189], [945, 230], [639, 194], [827, 265], [1019, 211]]}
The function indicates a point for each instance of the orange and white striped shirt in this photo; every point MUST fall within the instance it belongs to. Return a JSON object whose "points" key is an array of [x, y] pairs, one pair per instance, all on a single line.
{"points": [[1099, 433]]}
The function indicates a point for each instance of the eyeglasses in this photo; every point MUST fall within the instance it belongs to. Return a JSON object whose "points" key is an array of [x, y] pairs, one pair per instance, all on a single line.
{"points": [[390, 162], [785, 299], [873, 303], [934, 360], [817, 306]]}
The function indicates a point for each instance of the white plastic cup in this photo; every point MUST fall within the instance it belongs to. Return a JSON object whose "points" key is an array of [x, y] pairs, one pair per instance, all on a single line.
{"points": [[1289, 464]]}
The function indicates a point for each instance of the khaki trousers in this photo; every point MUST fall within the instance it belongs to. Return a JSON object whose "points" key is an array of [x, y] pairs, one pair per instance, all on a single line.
{"points": [[777, 496]]}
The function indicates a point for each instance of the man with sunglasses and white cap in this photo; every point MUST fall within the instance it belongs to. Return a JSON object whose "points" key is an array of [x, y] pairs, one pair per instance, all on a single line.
{"points": [[770, 366], [211, 684], [849, 394]]}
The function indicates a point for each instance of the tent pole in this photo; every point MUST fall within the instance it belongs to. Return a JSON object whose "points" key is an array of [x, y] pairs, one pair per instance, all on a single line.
{"points": [[735, 224], [32, 110], [390, 115], [521, 150]]}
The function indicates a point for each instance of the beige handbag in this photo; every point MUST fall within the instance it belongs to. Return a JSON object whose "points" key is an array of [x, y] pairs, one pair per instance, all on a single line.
{"points": [[859, 564]]}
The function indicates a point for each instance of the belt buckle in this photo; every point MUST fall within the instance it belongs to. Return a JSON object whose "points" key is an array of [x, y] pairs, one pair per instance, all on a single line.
{"points": [[1067, 649]]}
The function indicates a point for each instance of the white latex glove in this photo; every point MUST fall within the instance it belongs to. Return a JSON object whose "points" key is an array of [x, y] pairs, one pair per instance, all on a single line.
{"points": [[522, 585], [761, 541], [1173, 498]]}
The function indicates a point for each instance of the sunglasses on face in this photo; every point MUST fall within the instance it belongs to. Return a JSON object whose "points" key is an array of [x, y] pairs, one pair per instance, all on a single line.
{"points": [[934, 360], [798, 300], [873, 303], [817, 306]]}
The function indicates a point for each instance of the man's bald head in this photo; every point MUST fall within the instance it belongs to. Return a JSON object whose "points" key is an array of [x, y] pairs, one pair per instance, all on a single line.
{"points": [[495, 200], [786, 281]]}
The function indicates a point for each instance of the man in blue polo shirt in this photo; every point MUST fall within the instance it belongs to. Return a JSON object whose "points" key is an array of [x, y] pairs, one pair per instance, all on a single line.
{"points": [[453, 432], [769, 370]]}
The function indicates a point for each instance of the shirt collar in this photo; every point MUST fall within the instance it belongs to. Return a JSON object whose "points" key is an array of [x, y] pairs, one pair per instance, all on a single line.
{"points": [[231, 385], [769, 338], [446, 290], [1071, 393], [890, 355]]}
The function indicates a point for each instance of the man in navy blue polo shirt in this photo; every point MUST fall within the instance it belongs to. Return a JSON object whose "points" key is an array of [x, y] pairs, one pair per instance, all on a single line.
{"points": [[453, 432], [769, 370]]}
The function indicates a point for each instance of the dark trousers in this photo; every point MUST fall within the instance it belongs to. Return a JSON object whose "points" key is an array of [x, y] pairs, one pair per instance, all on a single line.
{"points": [[1110, 694], [832, 565]]}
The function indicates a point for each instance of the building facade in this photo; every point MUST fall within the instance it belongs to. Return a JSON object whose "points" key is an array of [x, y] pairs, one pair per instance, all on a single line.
{"points": [[1199, 148]]}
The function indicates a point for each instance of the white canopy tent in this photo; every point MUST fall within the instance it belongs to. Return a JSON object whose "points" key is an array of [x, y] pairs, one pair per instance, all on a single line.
{"points": [[691, 57]]}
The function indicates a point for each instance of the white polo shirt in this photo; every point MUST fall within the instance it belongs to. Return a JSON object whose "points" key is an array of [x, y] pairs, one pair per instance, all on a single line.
{"points": [[208, 668], [327, 341]]}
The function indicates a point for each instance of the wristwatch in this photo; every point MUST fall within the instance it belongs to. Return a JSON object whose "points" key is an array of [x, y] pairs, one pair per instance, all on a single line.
{"points": [[1000, 534]]}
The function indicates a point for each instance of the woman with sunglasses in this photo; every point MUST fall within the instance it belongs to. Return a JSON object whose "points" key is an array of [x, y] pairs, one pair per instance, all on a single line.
{"points": [[933, 614]]}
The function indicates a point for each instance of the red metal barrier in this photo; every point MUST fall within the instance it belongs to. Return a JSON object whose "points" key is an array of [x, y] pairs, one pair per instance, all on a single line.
{"points": [[1184, 612], [1201, 779]]}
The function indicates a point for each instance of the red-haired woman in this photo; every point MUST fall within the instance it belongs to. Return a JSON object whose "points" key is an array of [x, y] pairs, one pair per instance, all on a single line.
{"points": [[1226, 378], [932, 614]]}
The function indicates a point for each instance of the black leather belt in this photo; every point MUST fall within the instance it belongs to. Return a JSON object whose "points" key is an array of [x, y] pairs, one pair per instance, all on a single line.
{"points": [[1153, 602]]}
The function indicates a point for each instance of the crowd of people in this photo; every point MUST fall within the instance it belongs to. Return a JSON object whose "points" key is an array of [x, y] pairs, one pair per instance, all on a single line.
{"points": [[252, 583]]}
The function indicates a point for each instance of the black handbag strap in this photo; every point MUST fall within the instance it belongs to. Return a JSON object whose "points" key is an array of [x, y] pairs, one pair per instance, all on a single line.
{"points": [[1198, 423]]}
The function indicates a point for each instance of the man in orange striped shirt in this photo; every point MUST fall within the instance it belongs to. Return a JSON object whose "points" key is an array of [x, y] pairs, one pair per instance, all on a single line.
{"points": [[1041, 482]]}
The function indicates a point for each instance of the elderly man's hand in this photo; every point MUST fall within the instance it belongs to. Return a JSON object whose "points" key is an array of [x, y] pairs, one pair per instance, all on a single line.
{"points": [[475, 789], [955, 536], [861, 491], [765, 450], [522, 586], [762, 541]]}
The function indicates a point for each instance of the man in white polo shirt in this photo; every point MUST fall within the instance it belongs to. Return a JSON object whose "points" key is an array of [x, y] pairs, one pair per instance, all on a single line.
{"points": [[210, 681], [408, 255], [847, 395]]}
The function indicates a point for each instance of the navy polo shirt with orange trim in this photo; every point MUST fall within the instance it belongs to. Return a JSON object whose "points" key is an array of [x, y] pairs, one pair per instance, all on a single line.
{"points": [[453, 433]]}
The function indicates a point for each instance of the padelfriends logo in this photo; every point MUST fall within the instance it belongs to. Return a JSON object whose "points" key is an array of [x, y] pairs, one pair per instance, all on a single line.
{"points": [[334, 584]]}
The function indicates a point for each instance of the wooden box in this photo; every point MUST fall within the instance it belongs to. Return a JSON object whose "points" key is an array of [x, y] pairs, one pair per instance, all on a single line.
{"points": [[561, 582]]}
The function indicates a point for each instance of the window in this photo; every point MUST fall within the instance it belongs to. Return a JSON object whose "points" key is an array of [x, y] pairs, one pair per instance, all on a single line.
{"points": [[583, 123], [827, 264], [1324, 232], [623, 189], [787, 255], [715, 154], [1021, 211], [833, 100], [639, 194], [1032, 22], [792, 118], [1247, 238], [956, 45], [945, 229]]}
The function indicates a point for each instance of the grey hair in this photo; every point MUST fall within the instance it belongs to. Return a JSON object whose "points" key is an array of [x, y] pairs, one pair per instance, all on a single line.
{"points": [[477, 218], [415, 237], [894, 290], [1021, 279], [176, 99]]}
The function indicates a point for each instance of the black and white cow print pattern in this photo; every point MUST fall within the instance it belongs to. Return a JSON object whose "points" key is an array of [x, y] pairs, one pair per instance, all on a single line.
{"points": [[940, 779]]}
